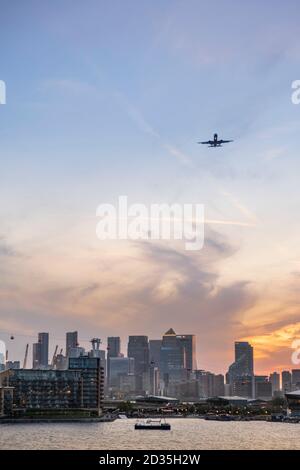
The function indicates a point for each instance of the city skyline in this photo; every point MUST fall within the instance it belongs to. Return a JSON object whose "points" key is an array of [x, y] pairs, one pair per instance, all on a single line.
{"points": [[102, 103], [154, 371], [119, 347]]}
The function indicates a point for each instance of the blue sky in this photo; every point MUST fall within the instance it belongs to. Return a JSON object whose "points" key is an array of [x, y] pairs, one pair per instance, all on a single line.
{"points": [[110, 98]]}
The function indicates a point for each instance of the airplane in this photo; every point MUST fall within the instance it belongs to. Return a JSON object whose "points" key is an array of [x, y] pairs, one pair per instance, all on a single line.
{"points": [[215, 142]]}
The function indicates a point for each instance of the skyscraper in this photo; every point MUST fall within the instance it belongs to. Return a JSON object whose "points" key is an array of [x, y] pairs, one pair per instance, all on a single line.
{"points": [[138, 348], [71, 341], [243, 363], [40, 351], [244, 357], [173, 358], [286, 381], [153, 379], [189, 345], [113, 346], [113, 350], [240, 374], [275, 381], [296, 379], [36, 355], [44, 342], [154, 351], [178, 356]]}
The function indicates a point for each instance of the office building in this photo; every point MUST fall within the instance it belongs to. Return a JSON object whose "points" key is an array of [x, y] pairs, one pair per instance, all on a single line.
{"points": [[210, 385], [243, 361], [263, 388], [43, 339], [178, 357], [120, 367], [296, 379], [188, 390], [218, 385], [12, 365], [154, 379], [172, 359], [76, 352], [275, 381], [126, 387], [240, 375], [243, 386], [113, 350], [40, 352], [154, 351], [36, 356], [286, 381], [71, 341], [138, 349], [189, 345], [113, 346]]}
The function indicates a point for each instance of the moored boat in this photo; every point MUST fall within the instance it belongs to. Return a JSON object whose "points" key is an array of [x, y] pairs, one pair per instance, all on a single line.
{"points": [[153, 424]]}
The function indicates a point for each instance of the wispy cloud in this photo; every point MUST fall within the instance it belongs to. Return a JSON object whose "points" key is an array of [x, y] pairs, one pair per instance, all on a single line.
{"points": [[6, 250], [143, 125], [241, 207]]}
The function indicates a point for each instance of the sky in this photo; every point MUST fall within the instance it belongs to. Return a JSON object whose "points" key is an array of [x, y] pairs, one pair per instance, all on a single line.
{"points": [[110, 98]]}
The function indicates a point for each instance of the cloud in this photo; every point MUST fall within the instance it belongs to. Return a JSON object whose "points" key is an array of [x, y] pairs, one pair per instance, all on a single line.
{"points": [[241, 207], [143, 125], [7, 250], [130, 287], [181, 156], [276, 346], [141, 287]]}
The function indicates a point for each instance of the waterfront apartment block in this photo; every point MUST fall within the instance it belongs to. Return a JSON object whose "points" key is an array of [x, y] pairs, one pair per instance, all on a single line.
{"points": [[79, 387], [6, 401]]}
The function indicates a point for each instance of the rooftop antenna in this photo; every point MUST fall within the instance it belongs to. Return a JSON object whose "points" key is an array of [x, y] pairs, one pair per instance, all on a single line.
{"points": [[96, 344]]}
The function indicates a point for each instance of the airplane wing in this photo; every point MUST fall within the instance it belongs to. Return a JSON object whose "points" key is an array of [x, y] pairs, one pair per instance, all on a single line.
{"points": [[225, 141], [208, 142]]}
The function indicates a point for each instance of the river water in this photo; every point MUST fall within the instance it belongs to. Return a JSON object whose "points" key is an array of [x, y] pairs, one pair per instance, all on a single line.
{"points": [[186, 434]]}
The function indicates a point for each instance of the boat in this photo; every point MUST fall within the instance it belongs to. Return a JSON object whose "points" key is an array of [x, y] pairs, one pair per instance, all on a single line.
{"points": [[213, 417], [153, 424]]}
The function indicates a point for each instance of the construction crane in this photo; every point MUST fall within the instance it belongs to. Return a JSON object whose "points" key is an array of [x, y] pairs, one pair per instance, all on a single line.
{"points": [[54, 356], [25, 357]]}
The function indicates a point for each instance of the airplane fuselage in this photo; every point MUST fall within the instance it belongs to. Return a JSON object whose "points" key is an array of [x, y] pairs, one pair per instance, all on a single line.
{"points": [[215, 142]]}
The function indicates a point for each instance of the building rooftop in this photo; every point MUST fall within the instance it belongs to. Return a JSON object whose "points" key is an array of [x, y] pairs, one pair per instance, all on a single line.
{"points": [[156, 398], [170, 332], [294, 394], [234, 398]]}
